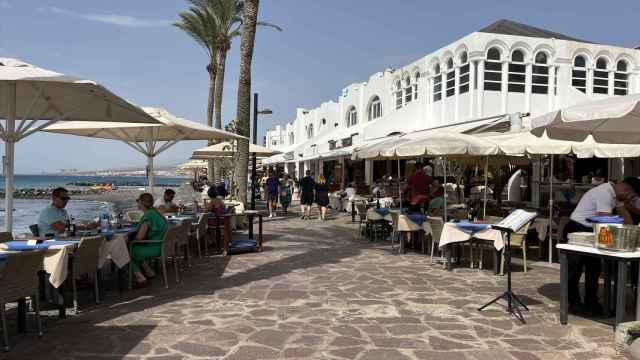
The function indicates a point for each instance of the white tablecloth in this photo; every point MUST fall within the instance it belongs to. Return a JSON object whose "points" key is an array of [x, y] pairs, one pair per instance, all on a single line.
{"points": [[335, 202], [542, 227], [452, 234], [56, 263], [115, 249]]}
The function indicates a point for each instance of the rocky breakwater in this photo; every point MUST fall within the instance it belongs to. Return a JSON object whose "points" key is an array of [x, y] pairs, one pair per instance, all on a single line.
{"points": [[33, 193]]}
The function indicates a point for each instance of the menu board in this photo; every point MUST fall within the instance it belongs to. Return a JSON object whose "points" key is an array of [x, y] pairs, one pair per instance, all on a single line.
{"points": [[516, 220]]}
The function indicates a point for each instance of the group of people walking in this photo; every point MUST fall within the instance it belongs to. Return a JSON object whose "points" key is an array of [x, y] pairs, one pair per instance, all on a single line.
{"points": [[311, 191]]}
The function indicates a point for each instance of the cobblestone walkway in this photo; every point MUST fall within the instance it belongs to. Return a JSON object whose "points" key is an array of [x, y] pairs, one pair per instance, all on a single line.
{"points": [[318, 293]]}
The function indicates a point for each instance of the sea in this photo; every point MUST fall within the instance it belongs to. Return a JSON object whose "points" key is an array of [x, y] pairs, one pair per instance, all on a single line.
{"points": [[27, 210]]}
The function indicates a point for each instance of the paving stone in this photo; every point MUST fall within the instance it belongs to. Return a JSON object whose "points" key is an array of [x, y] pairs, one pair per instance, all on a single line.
{"points": [[383, 354], [253, 353], [273, 338], [440, 343], [190, 348], [347, 353]]}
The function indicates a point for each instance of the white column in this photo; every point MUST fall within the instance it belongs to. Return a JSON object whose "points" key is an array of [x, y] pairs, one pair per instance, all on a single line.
{"points": [[456, 83], [480, 111], [342, 180], [472, 90], [504, 87], [368, 172], [321, 167], [589, 80], [528, 80], [9, 148], [432, 104], [611, 74], [443, 100], [551, 94]]}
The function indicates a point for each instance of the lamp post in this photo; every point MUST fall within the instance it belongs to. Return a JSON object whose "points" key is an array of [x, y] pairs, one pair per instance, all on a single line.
{"points": [[256, 112]]}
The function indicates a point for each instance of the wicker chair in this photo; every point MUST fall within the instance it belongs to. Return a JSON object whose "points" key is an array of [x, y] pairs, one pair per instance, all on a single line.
{"points": [[167, 250], [361, 211], [518, 239], [437, 224], [5, 236], [19, 279], [200, 235], [183, 240], [85, 260]]}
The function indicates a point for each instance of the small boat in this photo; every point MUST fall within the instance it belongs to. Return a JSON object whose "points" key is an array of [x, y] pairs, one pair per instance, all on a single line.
{"points": [[105, 187]]}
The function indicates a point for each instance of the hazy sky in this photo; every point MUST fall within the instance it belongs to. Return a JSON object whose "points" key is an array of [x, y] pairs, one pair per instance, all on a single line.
{"points": [[131, 47]]}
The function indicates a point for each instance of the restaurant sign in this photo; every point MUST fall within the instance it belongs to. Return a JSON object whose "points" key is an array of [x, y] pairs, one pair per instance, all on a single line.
{"points": [[289, 156]]}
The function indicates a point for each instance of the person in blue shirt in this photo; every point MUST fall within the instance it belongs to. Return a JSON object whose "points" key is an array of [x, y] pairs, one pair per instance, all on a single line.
{"points": [[53, 219]]}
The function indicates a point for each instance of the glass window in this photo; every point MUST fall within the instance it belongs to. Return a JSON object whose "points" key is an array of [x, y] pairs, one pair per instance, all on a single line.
{"points": [[375, 109], [451, 79], [437, 84], [416, 79], [408, 90], [517, 72], [493, 71], [601, 77], [621, 79], [291, 138], [352, 116], [540, 75], [310, 131], [463, 81], [579, 74], [398, 93], [324, 121]]}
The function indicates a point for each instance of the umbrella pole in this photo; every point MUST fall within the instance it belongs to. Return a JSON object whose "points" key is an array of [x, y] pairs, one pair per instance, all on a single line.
{"points": [[9, 146], [550, 210], [444, 164], [399, 186], [150, 177], [486, 187]]}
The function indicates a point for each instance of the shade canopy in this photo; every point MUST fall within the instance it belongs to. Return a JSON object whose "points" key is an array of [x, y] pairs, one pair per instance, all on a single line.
{"points": [[32, 98], [227, 149], [148, 139], [192, 165], [614, 120]]}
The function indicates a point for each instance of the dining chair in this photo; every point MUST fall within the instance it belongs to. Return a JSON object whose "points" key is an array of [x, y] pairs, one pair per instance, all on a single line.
{"points": [[167, 250], [518, 239], [182, 242], [437, 224], [483, 245], [5, 236], [376, 224], [85, 260], [215, 231], [201, 235], [556, 236], [361, 211], [19, 279]]}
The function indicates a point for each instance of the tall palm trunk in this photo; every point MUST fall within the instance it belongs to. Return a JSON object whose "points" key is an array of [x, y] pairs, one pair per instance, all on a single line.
{"points": [[244, 94], [212, 69], [217, 173]]}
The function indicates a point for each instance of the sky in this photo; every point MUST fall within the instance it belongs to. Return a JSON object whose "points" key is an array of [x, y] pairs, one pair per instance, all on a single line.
{"points": [[132, 48]]}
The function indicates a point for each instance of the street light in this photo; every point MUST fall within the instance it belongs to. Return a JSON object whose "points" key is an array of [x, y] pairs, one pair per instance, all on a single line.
{"points": [[256, 112]]}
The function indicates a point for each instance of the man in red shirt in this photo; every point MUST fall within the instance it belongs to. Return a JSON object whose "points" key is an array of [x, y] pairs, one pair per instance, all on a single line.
{"points": [[418, 185]]}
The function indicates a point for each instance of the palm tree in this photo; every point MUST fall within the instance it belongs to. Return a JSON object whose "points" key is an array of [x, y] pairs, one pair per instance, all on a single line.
{"points": [[200, 23], [247, 41]]}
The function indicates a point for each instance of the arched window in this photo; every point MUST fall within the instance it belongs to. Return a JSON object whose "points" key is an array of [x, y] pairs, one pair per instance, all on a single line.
{"points": [[398, 92], [291, 138], [540, 78], [323, 121], [579, 74], [463, 82], [601, 76], [493, 70], [375, 108], [621, 79], [310, 131], [437, 83], [408, 90], [451, 78], [517, 72], [416, 78], [352, 116]]}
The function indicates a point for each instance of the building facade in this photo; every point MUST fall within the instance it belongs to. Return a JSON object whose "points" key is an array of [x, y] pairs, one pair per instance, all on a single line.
{"points": [[503, 68]]}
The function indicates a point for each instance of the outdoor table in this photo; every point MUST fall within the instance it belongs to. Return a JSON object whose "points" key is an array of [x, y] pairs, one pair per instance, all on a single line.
{"points": [[453, 233], [56, 257], [227, 241], [619, 258]]}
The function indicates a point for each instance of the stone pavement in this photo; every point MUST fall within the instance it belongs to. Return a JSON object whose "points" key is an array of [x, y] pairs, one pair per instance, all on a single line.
{"points": [[316, 292]]}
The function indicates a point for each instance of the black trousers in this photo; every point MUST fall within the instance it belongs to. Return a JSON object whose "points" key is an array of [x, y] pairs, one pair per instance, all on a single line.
{"points": [[592, 267]]}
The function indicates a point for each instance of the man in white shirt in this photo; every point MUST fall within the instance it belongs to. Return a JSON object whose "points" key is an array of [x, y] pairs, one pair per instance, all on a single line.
{"points": [[600, 200], [165, 204]]}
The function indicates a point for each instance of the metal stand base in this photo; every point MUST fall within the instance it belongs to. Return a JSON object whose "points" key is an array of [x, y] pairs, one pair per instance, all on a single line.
{"points": [[513, 302]]}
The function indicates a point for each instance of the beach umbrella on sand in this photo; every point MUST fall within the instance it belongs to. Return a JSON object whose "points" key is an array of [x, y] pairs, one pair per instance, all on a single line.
{"points": [[32, 98], [148, 139]]}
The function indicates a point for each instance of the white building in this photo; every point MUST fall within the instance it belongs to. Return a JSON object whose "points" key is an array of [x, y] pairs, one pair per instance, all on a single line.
{"points": [[503, 68]]}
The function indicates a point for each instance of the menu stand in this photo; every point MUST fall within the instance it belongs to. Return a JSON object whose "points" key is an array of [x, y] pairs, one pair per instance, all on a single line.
{"points": [[513, 302]]}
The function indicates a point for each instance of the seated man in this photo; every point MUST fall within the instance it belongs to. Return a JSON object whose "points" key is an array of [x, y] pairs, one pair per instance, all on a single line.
{"points": [[165, 204], [53, 219]]}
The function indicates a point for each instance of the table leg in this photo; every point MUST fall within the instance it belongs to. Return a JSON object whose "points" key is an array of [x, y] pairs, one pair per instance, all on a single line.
{"points": [[620, 286], [259, 232], [496, 258], [564, 288], [353, 212], [250, 218], [607, 286], [227, 235], [22, 314]]}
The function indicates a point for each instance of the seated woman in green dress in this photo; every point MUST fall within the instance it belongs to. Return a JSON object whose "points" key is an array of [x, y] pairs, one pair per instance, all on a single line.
{"points": [[152, 226]]}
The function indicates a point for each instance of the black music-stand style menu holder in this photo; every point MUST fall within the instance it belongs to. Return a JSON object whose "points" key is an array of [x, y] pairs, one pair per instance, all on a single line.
{"points": [[509, 225]]}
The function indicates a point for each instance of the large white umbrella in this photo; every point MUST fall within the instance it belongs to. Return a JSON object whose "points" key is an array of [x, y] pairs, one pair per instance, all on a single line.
{"points": [[33, 98], [150, 140], [613, 120], [228, 149]]}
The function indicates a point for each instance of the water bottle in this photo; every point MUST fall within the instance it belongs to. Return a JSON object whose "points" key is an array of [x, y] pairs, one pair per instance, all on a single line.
{"points": [[104, 222]]}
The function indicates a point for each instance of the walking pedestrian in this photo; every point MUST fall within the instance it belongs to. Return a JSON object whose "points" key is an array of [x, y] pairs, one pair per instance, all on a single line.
{"points": [[286, 192], [271, 191], [322, 196], [307, 184]]}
